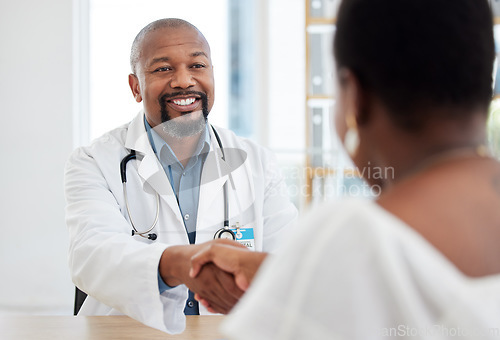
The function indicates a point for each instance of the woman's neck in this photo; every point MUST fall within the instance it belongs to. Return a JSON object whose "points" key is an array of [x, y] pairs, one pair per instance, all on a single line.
{"points": [[408, 152]]}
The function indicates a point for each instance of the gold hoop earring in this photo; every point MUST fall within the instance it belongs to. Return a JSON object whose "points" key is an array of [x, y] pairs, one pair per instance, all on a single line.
{"points": [[351, 138]]}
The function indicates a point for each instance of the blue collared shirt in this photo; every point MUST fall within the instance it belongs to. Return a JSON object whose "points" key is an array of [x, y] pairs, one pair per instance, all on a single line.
{"points": [[185, 181]]}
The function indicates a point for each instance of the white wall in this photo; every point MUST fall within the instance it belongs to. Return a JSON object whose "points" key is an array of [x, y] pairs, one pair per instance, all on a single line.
{"points": [[35, 139]]}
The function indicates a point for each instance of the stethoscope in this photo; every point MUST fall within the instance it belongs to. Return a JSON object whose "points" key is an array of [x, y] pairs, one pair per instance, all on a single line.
{"points": [[223, 232]]}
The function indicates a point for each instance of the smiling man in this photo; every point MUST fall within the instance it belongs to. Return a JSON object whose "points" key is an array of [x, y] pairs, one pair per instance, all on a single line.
{"points": [[145, 197], [182, 60]]}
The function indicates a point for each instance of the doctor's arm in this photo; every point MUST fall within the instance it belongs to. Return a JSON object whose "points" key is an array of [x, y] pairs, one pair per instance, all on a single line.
{"points": [[104, 260]]}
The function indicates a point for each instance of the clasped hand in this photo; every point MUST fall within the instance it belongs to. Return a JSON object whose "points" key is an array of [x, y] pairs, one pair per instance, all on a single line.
{"points": [[218, 272], [235, 267]]}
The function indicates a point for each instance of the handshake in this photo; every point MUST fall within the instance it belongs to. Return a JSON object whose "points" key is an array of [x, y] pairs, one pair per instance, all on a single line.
{"points": [[218, 271]]}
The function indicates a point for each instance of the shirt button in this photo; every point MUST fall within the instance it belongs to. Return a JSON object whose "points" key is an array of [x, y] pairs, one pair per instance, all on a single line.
{"points": [[186, 217], [184, 174], [190, 304]]}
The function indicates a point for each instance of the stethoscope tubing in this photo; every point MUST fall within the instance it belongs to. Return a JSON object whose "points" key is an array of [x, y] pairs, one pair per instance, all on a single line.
{"points": [[153, 236], [226, 203], [123, 173]]}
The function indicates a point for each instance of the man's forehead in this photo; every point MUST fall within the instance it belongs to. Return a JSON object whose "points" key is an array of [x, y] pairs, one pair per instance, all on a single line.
{"points": [[178, 36]]}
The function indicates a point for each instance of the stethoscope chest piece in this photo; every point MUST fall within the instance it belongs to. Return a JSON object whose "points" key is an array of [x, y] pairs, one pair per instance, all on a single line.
{"points": [[229, 234], [225, 233]]}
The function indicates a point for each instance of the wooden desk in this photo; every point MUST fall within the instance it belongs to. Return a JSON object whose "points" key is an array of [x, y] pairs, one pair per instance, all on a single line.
{"points": [[101, 327]]}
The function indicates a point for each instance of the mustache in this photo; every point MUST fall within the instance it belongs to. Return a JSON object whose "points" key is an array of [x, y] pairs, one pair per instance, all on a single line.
{"points": [[163, 102], [168, 96]]}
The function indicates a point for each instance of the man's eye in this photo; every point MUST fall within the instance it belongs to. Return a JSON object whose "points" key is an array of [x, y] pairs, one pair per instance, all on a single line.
{"points": [[163, 69], [198, 66]]}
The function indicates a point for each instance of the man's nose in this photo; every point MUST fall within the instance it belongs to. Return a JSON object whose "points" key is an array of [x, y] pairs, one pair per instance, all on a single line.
{"points": [[182, 79]]}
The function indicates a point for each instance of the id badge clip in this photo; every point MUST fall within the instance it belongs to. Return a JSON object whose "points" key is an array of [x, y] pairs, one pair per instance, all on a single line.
{"points": [[244, 235]]}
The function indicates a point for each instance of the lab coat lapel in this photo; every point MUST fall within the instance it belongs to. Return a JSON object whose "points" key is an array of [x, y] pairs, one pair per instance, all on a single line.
{"points": [[149, 167]]}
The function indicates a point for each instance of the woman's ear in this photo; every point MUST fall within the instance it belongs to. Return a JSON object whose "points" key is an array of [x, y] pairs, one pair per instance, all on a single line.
{"points": [[355, 98], [133, 82]]}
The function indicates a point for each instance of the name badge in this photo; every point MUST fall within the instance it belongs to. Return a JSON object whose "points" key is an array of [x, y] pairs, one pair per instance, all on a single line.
{"points": [[244, 236]]}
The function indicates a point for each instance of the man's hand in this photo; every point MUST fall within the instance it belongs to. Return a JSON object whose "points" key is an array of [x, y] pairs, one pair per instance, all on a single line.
{"points": [[216, 286], [231, 257]]}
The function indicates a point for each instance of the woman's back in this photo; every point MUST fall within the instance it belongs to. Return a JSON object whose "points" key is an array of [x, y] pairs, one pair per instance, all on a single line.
{"points": [[356, 271], [454, 204]]}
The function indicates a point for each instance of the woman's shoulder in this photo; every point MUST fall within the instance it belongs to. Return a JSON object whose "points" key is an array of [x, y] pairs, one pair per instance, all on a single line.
{"points": [[349, 214], [345, 229]]}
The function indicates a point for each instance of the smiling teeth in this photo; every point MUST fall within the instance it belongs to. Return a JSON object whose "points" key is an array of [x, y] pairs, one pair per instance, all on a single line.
{"points": [[183, 102]]}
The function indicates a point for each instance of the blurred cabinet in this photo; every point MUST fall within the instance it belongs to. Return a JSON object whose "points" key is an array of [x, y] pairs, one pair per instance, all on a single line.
{"points": [[329, 172], [320, 99], [495, 7]]}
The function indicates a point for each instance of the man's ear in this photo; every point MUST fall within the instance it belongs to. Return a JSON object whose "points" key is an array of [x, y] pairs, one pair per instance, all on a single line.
{"points": [[133, 82]]}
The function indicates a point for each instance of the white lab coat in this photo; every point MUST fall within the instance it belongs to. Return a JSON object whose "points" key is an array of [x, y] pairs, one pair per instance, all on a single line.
{"points": [[118, 271]]}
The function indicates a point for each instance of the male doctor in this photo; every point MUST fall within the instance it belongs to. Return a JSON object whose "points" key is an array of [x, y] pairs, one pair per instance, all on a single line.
{"points": [[186, 173]]}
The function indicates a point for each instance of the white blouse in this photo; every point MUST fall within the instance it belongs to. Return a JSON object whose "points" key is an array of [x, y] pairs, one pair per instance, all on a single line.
{"points": [[354, 271]]}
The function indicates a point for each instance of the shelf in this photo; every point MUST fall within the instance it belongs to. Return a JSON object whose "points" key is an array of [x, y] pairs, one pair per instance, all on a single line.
{"points": [[321, 21], [320, 97]]}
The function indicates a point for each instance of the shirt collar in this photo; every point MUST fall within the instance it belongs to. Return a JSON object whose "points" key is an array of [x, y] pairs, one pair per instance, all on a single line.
{"points": [[157, 143]]}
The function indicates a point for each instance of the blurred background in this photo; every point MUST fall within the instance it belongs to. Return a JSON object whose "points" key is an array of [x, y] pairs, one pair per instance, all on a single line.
{"points": [[64, 71]]}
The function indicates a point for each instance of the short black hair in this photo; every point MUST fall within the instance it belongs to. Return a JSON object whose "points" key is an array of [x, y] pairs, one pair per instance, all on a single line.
{"points": [[419, 54], [135, 52]]}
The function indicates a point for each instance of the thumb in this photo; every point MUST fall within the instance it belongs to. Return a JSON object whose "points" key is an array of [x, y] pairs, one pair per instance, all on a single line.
{"points": [[241, 281]]}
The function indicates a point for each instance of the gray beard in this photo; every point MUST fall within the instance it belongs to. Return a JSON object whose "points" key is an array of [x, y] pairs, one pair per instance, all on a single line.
{"points": [[190, 124]]}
